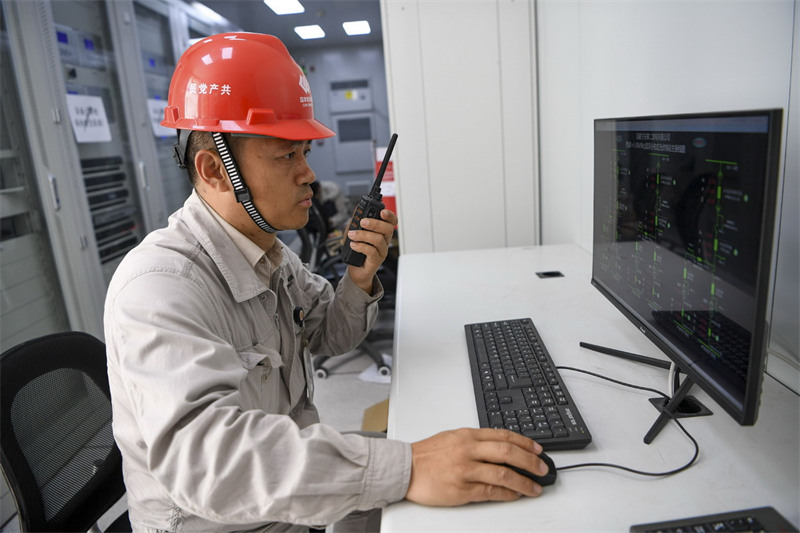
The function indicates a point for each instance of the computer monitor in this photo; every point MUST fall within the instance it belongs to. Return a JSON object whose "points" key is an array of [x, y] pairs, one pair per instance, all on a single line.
{"points": [[684, 217]]}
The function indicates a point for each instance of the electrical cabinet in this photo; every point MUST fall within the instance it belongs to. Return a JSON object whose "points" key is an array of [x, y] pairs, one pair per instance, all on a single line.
{"points": [[349, 96], [157, 57], [96, 111], [353, 142], [350, 104], [31, 303], [87, 171]]}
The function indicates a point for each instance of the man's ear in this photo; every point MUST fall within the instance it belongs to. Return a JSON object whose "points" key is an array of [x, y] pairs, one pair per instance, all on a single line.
{"points": [[210, 171]]}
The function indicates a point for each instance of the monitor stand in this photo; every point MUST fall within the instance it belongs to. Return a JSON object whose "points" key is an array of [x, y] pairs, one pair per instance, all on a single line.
{"points": [[680, 405]]}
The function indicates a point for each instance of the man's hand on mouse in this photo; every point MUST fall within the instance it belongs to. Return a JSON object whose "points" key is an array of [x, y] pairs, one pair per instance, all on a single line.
{"points": [[464, 465]]}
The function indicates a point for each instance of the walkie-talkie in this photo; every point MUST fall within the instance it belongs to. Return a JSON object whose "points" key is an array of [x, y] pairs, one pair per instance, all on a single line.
{"points": [[369, 206]]}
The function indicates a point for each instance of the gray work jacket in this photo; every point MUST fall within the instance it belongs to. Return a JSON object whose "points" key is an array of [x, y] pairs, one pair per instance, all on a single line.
{"points": [[209, 395]]}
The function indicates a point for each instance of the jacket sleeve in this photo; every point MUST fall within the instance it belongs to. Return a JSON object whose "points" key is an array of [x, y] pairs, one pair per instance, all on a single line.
{"points": [[335, 322], [178, 381]]}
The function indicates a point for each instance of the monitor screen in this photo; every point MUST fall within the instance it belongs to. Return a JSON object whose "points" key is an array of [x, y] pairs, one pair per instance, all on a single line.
{"points": [[684, 211]]}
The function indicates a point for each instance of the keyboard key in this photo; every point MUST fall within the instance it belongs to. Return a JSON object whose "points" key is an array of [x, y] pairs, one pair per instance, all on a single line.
{"points": [[538, 434], [495, 420], [516, 382]]}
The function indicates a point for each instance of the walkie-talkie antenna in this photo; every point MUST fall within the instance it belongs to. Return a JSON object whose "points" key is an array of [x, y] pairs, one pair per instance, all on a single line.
{"points": [[375, 193], [370, 206]]}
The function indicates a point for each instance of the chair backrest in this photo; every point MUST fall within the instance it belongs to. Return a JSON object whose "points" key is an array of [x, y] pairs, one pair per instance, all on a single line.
{"points": [[58, 451], [317, 231]]}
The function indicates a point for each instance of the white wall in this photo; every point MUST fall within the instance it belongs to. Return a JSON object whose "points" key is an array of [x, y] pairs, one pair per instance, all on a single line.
{"points": [[474, 156], [625, 58], [785, 334], [461, 98], [463, 82]]}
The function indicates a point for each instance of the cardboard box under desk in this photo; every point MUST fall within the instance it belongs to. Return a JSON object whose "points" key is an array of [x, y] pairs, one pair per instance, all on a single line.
{"points": [[376, 417]]}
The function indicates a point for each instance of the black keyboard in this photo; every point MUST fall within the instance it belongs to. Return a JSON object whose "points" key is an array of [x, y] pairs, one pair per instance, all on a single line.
{"points": [[760, 519], [517, 386]]}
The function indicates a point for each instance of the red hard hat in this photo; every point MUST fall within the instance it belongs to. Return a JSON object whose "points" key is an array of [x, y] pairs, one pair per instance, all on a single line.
{"points": [[242, 83]]}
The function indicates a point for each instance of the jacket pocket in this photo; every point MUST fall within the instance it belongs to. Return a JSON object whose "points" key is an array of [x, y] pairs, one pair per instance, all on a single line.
{"points": [[262, 365], [268, 348]]}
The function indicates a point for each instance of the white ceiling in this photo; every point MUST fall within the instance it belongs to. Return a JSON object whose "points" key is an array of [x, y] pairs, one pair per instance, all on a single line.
{"points": [[255, 16]]}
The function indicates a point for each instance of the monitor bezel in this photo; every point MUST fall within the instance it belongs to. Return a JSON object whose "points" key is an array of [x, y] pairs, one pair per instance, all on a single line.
{"points": [[747, 413]]}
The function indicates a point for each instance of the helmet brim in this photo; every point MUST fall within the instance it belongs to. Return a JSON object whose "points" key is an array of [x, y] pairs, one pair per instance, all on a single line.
{"points": [[293, 130]]}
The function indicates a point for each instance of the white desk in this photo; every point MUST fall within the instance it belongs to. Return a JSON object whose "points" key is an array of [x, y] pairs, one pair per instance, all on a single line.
{"points": [[431, 391]]}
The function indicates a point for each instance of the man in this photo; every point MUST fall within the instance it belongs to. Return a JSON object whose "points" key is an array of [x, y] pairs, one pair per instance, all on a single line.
{"points": [[209, 323]]}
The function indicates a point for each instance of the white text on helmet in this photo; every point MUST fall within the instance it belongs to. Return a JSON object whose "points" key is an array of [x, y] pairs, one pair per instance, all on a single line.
{"points": [[205, 88]]}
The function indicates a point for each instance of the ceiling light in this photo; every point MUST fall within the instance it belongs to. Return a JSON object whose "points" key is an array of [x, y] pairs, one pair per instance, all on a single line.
{"points": [[356, 27], [208, 14], [285, 7], [309, 32]]}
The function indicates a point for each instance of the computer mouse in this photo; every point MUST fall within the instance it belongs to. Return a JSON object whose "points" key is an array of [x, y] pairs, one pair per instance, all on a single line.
{"points": [[547, 479]]}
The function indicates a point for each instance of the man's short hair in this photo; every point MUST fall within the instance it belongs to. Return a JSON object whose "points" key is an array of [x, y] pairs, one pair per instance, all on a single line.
{"points": [[198, 140], [202, 140]]}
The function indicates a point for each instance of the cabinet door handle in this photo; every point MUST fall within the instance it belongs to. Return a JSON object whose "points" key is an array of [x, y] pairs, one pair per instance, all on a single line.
{"points": [[54, 191], [143, 176]]}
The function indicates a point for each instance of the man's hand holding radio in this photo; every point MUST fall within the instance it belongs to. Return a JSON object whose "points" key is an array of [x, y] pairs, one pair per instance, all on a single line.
{"points": [[373, 241]]}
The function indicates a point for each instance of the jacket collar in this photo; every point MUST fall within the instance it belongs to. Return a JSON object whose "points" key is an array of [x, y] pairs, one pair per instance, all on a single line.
{"points": [[232, 264]]}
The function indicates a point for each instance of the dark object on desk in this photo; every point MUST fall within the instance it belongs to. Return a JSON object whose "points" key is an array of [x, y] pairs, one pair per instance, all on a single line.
{"points": [[547, 479], [550, 274], [58, 451], [759, 519], [660, 363], [518, 387]]}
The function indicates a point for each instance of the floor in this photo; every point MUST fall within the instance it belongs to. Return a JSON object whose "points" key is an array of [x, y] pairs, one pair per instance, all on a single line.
{"points": [[341, 397]]}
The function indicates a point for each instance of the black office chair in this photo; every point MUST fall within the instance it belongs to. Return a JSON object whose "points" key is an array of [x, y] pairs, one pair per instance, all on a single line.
{"points": [[59, 457]]}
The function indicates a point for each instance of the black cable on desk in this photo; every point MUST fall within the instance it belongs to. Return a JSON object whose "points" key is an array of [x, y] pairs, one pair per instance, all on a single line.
{"points": [[620, 467]]}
